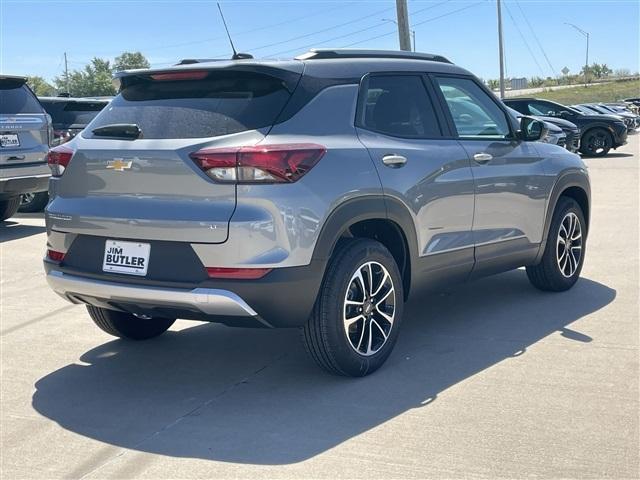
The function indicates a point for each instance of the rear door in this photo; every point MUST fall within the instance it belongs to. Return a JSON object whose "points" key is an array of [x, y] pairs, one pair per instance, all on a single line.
{"points": [[149, 187], [510, 184], [423, 166], [24, 131]]}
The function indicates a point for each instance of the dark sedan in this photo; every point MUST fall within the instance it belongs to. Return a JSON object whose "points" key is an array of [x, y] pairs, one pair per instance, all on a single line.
{"points": [[599, 133]]}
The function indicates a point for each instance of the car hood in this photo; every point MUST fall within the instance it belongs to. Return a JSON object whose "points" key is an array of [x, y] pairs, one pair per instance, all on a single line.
{"points": [[596, 117]]}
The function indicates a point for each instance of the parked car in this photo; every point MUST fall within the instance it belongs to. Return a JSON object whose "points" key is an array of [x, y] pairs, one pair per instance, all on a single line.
{"points": [[629, 119], [554, 135], [69, 117], [600, 133], [319, 192], [25, 131]]}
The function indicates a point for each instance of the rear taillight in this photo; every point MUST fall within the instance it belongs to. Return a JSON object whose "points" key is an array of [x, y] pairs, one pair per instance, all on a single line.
{"points": [[58, 159], [55, 256], [237, 273], [260, 164], [173, 76]]}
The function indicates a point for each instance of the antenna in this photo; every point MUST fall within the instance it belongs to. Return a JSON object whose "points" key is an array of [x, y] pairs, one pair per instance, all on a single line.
{"points": [[236, 55]]}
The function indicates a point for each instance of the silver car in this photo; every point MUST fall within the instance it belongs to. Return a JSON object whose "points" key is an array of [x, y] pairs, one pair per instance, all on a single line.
{"points": [[25, 133], [320, 193]]}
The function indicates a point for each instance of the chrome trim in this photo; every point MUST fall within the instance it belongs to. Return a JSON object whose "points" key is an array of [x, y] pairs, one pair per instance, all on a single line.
{"points": [[40, 175], [207, 300]]}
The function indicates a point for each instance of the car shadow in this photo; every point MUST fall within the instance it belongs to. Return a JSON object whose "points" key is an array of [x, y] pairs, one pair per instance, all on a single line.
{"points": [[253, 396], [617, 155], [12, 230]]}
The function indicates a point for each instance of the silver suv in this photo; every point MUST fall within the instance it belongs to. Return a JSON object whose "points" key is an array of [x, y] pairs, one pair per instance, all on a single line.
{"points": [[320, 193], [25, 133]]}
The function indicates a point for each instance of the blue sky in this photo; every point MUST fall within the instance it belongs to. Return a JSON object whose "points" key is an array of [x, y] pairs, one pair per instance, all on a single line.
{"points": [[35, 33]]}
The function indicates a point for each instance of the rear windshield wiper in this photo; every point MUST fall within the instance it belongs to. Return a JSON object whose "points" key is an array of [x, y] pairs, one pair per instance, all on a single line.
{"points": [[120, 130]]}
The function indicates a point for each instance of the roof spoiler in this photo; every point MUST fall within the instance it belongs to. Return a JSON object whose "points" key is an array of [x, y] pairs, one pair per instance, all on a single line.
{"points": [[13, 79]]}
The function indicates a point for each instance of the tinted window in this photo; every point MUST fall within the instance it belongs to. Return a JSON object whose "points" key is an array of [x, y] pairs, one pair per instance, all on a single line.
{"points": [[223, 103], [17, 99], [398, 106], [72, 113], [475, 114]]}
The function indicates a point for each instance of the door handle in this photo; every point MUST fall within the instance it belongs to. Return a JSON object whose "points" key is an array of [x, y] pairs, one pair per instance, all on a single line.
{"points": [[16, 157], [394, 161], [483, 157]]}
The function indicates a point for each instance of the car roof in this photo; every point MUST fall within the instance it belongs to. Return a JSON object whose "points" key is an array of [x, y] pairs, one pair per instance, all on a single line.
{"points": [[13, 77], [75, 99], [325, 63]]}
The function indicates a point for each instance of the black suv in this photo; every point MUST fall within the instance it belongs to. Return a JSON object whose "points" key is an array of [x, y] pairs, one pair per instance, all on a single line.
{"points": [[600, 133]]}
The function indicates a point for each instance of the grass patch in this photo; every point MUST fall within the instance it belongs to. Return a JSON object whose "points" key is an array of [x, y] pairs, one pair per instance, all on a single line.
{"points": [[595, 93]]}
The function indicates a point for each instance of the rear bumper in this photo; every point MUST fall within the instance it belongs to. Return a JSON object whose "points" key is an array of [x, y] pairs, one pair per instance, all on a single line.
{"points": [[10, 186], [283, 298]]}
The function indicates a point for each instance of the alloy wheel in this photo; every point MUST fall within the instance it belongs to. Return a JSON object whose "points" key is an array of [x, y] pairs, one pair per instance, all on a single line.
{"points": [[569, 245], [27, 198], [598, 142], [369, 308]]}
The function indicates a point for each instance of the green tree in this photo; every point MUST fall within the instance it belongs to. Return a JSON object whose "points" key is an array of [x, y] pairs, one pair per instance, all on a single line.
{"points": [[130, 60], [92, 81], [493, 84], [40, 86]]}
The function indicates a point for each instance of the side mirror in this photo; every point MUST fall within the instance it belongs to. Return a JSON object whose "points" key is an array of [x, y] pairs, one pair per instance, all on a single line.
{"points": [[566, 114], [531, 130]]}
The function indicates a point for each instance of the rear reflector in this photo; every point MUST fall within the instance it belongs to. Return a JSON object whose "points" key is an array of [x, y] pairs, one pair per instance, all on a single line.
{"points": [[58, 159], [172, 76], [285, 163], [237, 273], [55, 256]]}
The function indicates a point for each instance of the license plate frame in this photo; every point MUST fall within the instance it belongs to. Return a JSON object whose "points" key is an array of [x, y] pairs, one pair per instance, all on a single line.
{"points": [[9, 140], [129, 258]]}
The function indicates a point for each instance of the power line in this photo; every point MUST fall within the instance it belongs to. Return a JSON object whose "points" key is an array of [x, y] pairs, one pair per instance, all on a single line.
{"points": [[524, 39], [306, 35], [326, 40], [243, 32], [415, 24], [536, 39]]}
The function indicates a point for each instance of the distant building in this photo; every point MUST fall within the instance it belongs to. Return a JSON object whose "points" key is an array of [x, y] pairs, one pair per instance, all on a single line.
{"points": [[518, 83]]}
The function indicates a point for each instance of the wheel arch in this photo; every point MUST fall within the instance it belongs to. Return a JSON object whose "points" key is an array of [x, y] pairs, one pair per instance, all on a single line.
{"points": [[377, 217], [574, 184]]}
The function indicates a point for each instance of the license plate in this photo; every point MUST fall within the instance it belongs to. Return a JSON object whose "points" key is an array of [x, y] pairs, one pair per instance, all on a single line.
{"points": [[126, 257], [9, 140]]}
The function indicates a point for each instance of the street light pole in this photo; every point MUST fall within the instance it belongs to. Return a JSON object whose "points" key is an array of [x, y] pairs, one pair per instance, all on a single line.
{"points": [[586, 63], [500, 49]]}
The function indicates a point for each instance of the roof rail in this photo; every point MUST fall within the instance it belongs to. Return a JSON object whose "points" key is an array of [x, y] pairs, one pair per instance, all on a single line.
{"points": [[324, 53]]}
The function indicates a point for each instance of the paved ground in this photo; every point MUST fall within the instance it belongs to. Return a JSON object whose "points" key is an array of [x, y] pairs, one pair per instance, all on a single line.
{"points": [[492, 379]]}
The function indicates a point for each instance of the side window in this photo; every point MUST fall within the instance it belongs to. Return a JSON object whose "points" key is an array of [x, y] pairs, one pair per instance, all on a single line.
{"points": [[399, 106], [545, 109], [475, 114]]}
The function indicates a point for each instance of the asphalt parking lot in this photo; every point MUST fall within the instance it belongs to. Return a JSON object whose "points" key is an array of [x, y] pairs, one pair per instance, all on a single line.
{"points": [[489, 379]]}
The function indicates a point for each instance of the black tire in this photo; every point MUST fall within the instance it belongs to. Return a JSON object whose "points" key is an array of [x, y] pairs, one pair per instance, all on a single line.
{"points": [[127, 325], [9, 207], [548, 274], [325, 335], [34, 202], [596, 142]]}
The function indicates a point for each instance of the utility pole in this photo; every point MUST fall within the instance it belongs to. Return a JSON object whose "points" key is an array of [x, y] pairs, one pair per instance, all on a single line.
{"points": [[586, 62], [403, 25], [66, 72], [500, 49], [413, 32]]}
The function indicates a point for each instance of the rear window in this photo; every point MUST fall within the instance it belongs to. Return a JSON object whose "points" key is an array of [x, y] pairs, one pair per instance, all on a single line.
{"points": [[72, 113], [221, 104], [17, 99]]}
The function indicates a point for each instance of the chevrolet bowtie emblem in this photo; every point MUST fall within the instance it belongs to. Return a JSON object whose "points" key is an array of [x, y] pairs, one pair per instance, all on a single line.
{"points": [[119, 165]]}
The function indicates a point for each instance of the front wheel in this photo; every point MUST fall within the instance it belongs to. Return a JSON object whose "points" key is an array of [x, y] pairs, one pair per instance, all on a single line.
{"points": [[356, 319], [127, 325], [596, 142], [564, 251]]}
